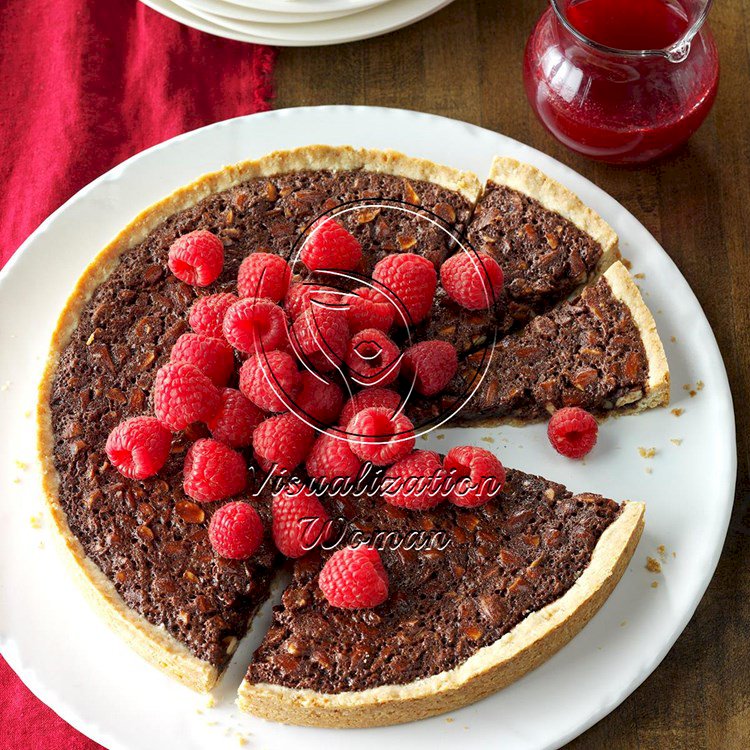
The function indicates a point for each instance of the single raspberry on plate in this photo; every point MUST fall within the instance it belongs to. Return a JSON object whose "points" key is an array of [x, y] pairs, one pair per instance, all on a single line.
{"points": [[330, 457], [430, 365], [416, 482], [320, 337], [213, 471], [213, 357], [369, 308], [196, 258], [476, 475], [373, 358], [330, 246], [183, 395], [300, 522], [264, 275], [382, 397], [301, 294], [235, 419], [255, 324], [572, 431], [139, 447], [281, 443], [379, 436], [319, 399], [410, 280], [235, 531], [207, 313], [271, 380], [354, 578], [473, 280]]}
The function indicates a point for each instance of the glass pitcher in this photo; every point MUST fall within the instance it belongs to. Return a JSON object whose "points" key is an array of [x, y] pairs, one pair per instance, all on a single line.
{"points": [[615, 103]]}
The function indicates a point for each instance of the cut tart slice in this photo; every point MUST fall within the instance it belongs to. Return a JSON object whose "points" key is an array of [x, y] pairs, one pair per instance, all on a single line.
{"points": [[520, 576], [140, 547], [600, 351], [547, 241]]}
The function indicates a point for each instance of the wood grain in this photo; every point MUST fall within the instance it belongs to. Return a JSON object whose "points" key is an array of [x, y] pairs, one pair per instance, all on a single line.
{"points": [[465, 62]]}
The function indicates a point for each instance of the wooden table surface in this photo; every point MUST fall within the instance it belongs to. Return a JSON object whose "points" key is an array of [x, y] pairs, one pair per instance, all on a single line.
{"points": [[465, 62]]}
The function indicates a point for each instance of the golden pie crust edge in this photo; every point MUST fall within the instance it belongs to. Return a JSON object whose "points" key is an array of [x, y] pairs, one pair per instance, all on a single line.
{"points": [[152, 642], [492, 668], [625, 290]]}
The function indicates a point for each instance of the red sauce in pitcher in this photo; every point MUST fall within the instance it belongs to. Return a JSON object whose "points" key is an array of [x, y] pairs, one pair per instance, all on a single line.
{"points": [[621, 81]]}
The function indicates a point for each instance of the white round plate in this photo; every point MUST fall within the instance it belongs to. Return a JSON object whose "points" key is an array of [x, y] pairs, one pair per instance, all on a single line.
{"points": [[229, 11], [382, 19], [70, 659]]}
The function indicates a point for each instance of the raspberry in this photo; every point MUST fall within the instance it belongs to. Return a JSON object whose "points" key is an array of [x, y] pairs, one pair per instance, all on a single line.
{"points": [[255, 323], [320, 337], [300, 522], [264, 275], [572, 431], [365, 399], [330, 246], [467, 284], [213, 357], [235, 531], [270, 380], [183, 395], [373, 358], [207, 313], [411, 281], [477, 475], [415, 482], [379, 436], [331, 457], [139, 447], [369, 308], [430, 365], [281, 443], [196, 258], [319, 399], [300, 295], [354, 578], [213, 471], [235, 419]]}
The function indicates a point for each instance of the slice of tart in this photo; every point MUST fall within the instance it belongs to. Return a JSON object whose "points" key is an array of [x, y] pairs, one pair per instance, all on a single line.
{"points": [[547, 241], [600, 351], [140, 548], [518, 578]]}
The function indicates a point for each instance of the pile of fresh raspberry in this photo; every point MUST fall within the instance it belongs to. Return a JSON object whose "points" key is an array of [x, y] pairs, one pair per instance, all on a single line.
{"points": [[267, 371]]}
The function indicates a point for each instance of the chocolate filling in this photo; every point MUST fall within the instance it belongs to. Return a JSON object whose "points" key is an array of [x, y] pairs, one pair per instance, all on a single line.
{"points": [[505, 559], [161, 564], [151, 541]]}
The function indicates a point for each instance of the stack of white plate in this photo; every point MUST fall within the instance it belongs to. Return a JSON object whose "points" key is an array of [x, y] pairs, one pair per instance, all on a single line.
{"points": [[297, 23]]}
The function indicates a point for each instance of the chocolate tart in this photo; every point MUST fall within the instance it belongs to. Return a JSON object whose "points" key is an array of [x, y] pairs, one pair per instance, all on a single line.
{"points": [[521, 576], [140, 548]]}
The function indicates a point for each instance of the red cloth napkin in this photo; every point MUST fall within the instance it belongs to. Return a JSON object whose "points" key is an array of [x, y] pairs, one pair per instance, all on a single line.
{"points": [[85, 84]]}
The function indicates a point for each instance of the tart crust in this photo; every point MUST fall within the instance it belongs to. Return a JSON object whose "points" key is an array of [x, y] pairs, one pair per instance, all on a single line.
{"points": [[493, 667], [624, 289], [152, 642], [553, 196]]}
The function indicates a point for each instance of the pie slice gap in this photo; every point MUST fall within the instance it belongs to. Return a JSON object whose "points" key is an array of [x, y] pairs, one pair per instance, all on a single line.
{"points": [[518, 579]]}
